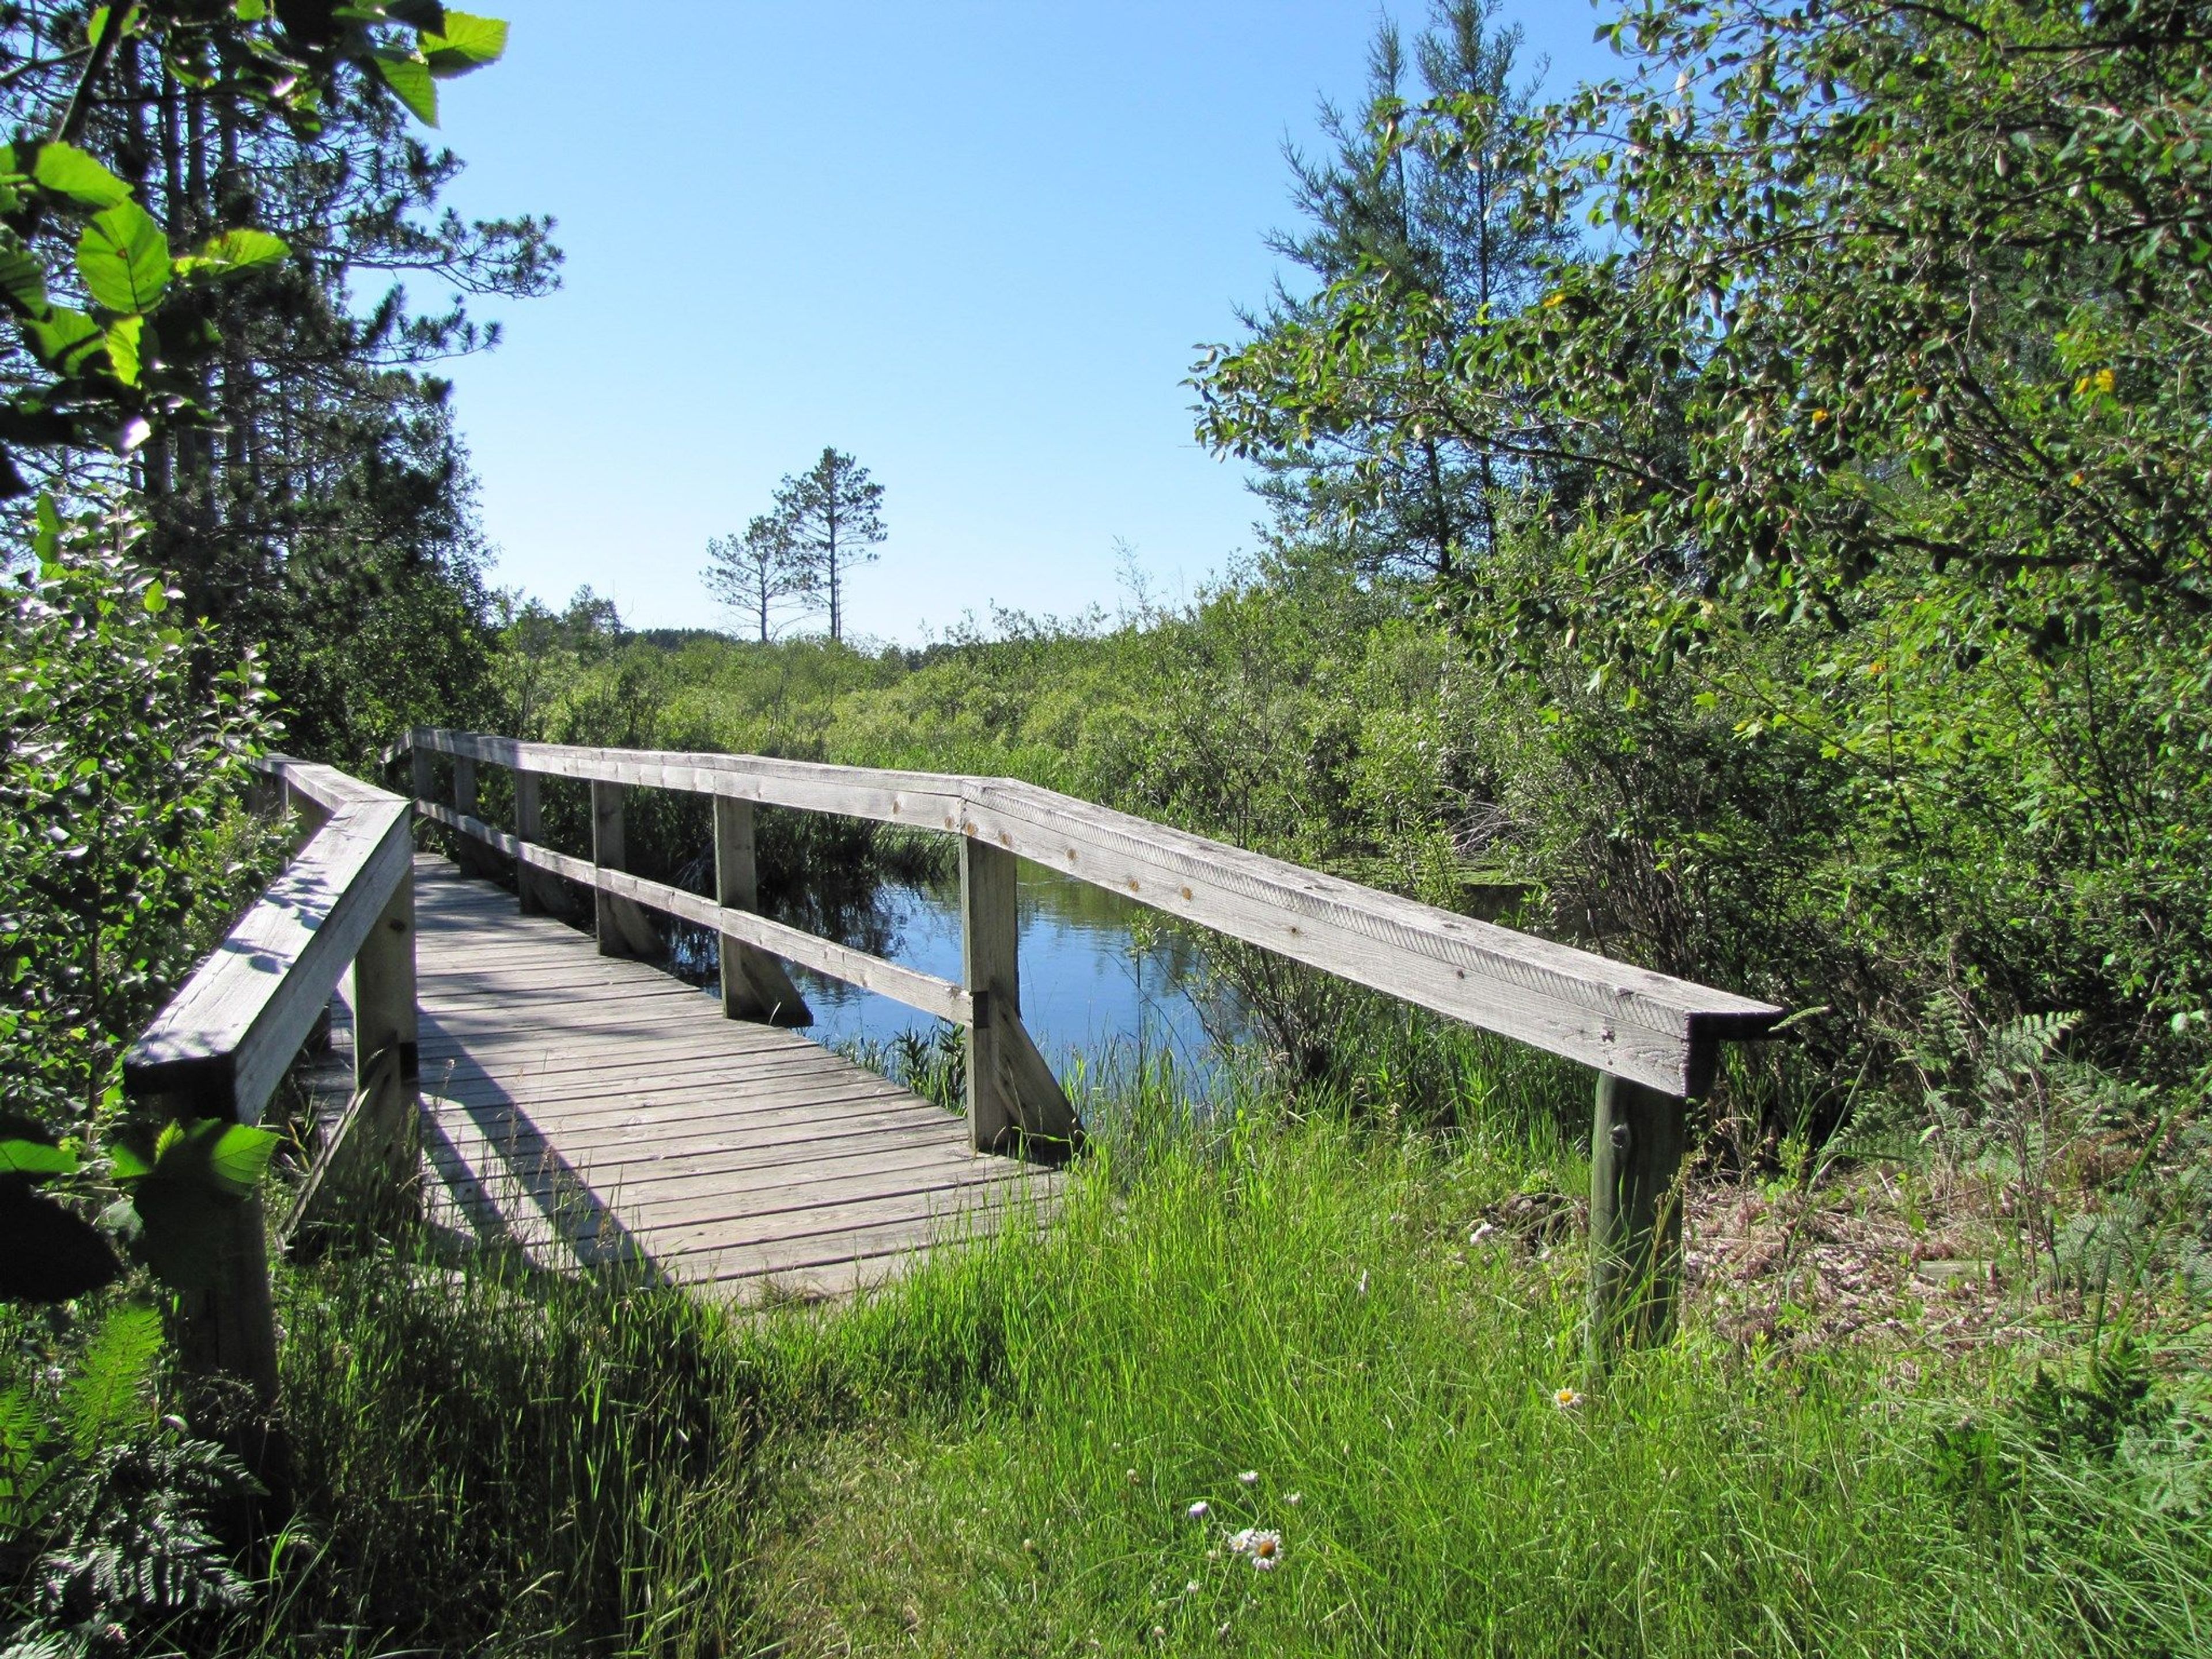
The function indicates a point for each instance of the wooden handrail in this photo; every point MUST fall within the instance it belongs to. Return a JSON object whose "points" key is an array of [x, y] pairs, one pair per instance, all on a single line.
{"points": [[223, 1042], [1653, 1040], [1653, 1030], [227, 1037]]}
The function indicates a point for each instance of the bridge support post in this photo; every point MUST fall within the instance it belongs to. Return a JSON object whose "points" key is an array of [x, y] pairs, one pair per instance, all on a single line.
{"points": [[422, 763], [529, 825], [621, 927], [388, 1071], [472, 857], [1015, 1104], [754, 983], [1636, 1216]]}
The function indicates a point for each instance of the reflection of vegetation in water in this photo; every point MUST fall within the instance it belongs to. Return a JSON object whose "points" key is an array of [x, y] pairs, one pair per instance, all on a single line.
{"points": [[832, 877]]}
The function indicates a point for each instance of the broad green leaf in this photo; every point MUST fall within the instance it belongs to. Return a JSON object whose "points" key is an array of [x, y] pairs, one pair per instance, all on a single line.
{"points": [[47, 539], [96, 26], [123, 336], [37, 1159], [179, 1230], [250, 12], [465, 43], [426, 15], [123, 258], [409, 77], [65, 339], [68, 171], [157, 599], [239, 1158], [232, 251], [22, 276], [52, 1254]]}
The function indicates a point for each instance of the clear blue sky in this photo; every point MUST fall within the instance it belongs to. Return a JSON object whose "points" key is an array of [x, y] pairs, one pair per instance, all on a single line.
{"points": [[975, 244]]}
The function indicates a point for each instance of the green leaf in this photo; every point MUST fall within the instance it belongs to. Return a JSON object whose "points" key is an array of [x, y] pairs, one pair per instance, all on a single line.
{"points": [[156, 600], [408, 76], [37, 1159], [426, 14], [68, 171], [239, 1158], [47, 539], [22, 274], [465, 43], [65, 340], [123, 336], [232, 251], [250, 12], [52, 1254], [124, 260]]}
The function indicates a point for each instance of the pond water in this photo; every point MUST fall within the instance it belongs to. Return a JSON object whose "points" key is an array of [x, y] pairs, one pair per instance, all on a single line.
{"points": [[1096, 978]]}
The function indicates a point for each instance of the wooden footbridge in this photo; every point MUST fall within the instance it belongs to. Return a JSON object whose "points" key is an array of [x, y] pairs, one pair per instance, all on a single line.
{"points": [[535, 1087]]}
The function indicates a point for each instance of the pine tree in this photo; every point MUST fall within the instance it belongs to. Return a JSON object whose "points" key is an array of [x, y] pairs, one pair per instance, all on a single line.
{"points": [[1409, 220], [834, 513], [754, 572]]}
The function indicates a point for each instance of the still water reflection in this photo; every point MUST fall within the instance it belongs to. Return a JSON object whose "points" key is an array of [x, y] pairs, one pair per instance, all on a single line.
{"points": [[1096, 980]]}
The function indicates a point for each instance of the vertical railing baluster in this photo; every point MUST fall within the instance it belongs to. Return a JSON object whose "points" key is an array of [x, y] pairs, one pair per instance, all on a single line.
{"points": [[529, 826], [754, 983], [990, 972], [1636, 1215]]}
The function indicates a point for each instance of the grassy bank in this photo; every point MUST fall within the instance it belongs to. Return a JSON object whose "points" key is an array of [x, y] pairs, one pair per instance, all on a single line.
{"points": [[1313, 1329]]}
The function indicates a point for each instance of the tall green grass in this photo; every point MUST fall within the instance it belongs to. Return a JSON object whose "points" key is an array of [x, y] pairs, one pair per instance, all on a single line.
{"points": [[1000, 1454]]}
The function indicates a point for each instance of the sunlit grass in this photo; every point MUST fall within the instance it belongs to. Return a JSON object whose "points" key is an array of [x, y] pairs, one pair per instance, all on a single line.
{"points": [[1001, 1454]]}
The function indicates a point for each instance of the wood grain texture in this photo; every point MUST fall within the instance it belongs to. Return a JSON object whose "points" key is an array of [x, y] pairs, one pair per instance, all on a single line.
{"points": [[592, 1112], [220, 1045], [1627, 1021]]}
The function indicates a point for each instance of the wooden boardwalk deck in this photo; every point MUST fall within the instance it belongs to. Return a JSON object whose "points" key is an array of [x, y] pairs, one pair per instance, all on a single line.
{"points": [[591, 1110]]}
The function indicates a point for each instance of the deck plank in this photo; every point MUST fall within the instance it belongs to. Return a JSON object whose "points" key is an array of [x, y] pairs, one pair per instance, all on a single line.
{"points": [[592, 1111]]}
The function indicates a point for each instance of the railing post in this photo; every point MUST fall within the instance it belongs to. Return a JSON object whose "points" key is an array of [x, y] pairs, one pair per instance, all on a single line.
{"points": [[1014, 1102], [470, 856], [529, 826], [1636, 1215], [385, 1019], [420, 764], [754, 983], [621, 927], [607, 855], [990, 971]]}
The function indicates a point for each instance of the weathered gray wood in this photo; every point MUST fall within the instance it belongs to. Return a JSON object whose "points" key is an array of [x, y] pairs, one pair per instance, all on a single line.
{"points": [[422, 775], [621, 928], [385, 1019], [1624, 1020], [932, 995], [228, 1328], [228, 1035], [1636, 1215], [529, 825], [1013, 1099], [754, 984]]}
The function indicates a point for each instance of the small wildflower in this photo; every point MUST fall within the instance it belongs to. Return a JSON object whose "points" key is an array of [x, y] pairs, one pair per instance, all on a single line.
{"points": [[1295, 1499], [1266, 1548], [1363, 1281], [1133, 1477], [1160, 1632], [1191, 1588], [1251, 1478], [1480, 1233], [1197, 1511], [1566, 1399]]}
